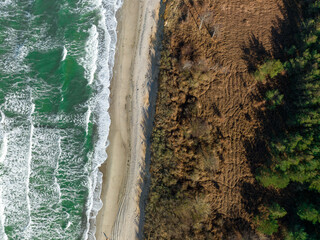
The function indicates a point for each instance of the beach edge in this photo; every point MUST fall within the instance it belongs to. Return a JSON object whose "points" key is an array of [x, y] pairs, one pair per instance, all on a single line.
{"points": [[132, 105]]}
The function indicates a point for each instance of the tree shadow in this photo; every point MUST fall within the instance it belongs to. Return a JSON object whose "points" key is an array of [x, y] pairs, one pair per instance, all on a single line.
{"points": [[254, 53], [234, 230], [284, 32]]}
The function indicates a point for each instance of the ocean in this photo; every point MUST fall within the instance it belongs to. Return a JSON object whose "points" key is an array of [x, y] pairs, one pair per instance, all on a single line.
{"points": [[56, 61]]}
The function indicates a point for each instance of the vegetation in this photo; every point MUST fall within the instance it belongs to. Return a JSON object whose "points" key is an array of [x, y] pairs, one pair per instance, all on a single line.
{"points": [[189, 132], [298, 234], [295, 163], [309, 212], [177, 207], [270, 69], [274, 98], [267, 222]]}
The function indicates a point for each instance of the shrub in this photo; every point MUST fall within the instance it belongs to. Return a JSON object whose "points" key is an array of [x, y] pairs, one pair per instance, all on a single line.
{"points": [[274, 98], [309, 212], [315, 185], [298, 234], [270, 68], [267, 222], [268, 226], [276, 211], [269, 178]]}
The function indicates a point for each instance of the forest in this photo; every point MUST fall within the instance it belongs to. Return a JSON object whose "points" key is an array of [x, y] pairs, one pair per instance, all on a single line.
{"points": [[294, 165]]}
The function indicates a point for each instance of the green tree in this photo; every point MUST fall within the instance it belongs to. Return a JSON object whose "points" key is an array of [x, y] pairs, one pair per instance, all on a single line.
{"points": [[269, 178], [309, 212], [297, 234], [295, 152], [267, 222], [267, 226], [270, 68], [274, 98]]}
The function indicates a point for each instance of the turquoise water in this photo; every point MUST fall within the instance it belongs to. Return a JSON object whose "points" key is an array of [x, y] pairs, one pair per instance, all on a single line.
{"points": [[56, 59]]}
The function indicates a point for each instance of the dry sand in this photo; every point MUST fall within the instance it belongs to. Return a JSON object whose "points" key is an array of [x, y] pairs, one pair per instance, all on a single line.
{"points": [[132, 91]]}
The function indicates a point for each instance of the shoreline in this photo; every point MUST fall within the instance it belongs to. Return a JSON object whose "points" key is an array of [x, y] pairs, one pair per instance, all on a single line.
{"points": [[114, 172], [132, 98]]}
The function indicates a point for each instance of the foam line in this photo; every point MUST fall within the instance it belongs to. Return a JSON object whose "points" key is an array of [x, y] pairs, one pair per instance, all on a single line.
{"points": [[64, 54], [2, 117], [4, 148], [3, 153], [88, 115], [57, 168], [105, 42], [29, 159], [90, 60], [2, 218]]}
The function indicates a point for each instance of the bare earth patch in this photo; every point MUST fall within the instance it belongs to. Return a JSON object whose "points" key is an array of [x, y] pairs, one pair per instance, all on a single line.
{"points": [[206, 119]]}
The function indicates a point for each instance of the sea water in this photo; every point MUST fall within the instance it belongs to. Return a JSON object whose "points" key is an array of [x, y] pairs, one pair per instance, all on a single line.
{"points": [[56, 60]]}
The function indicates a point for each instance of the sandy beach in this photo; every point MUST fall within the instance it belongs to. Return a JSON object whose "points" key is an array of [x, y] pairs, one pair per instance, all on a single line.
{"points": [[132, 98]]}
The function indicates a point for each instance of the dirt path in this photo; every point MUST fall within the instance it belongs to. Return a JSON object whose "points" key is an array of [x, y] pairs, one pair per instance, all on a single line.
{"points": [[243, 26], [207, 117]]}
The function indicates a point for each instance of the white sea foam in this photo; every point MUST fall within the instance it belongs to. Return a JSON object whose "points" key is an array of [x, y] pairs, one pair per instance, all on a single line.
{"points": [[15, 157], [4, 145], [64, 54], [88, 115], [4, 148], [3, 153], [5, 2], [2, 117], [29, 159], [89, 62], [2, 218], [29, 147], [14, 60], [57, 185], [68, 225], [105, 42]]}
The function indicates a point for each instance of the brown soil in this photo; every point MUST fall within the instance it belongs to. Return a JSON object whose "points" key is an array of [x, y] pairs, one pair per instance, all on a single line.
{"points": [[207, 116]]}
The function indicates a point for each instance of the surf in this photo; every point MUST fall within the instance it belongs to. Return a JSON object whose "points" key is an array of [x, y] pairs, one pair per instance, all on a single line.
{"points": [[64, 53], [54, 100]]}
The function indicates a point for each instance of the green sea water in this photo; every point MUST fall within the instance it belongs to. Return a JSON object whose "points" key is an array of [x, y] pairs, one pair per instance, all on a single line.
{"points": [[56, 59]]}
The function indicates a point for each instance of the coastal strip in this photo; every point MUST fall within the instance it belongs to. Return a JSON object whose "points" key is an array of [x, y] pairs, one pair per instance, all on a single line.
{"points": [[133, 93]]}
